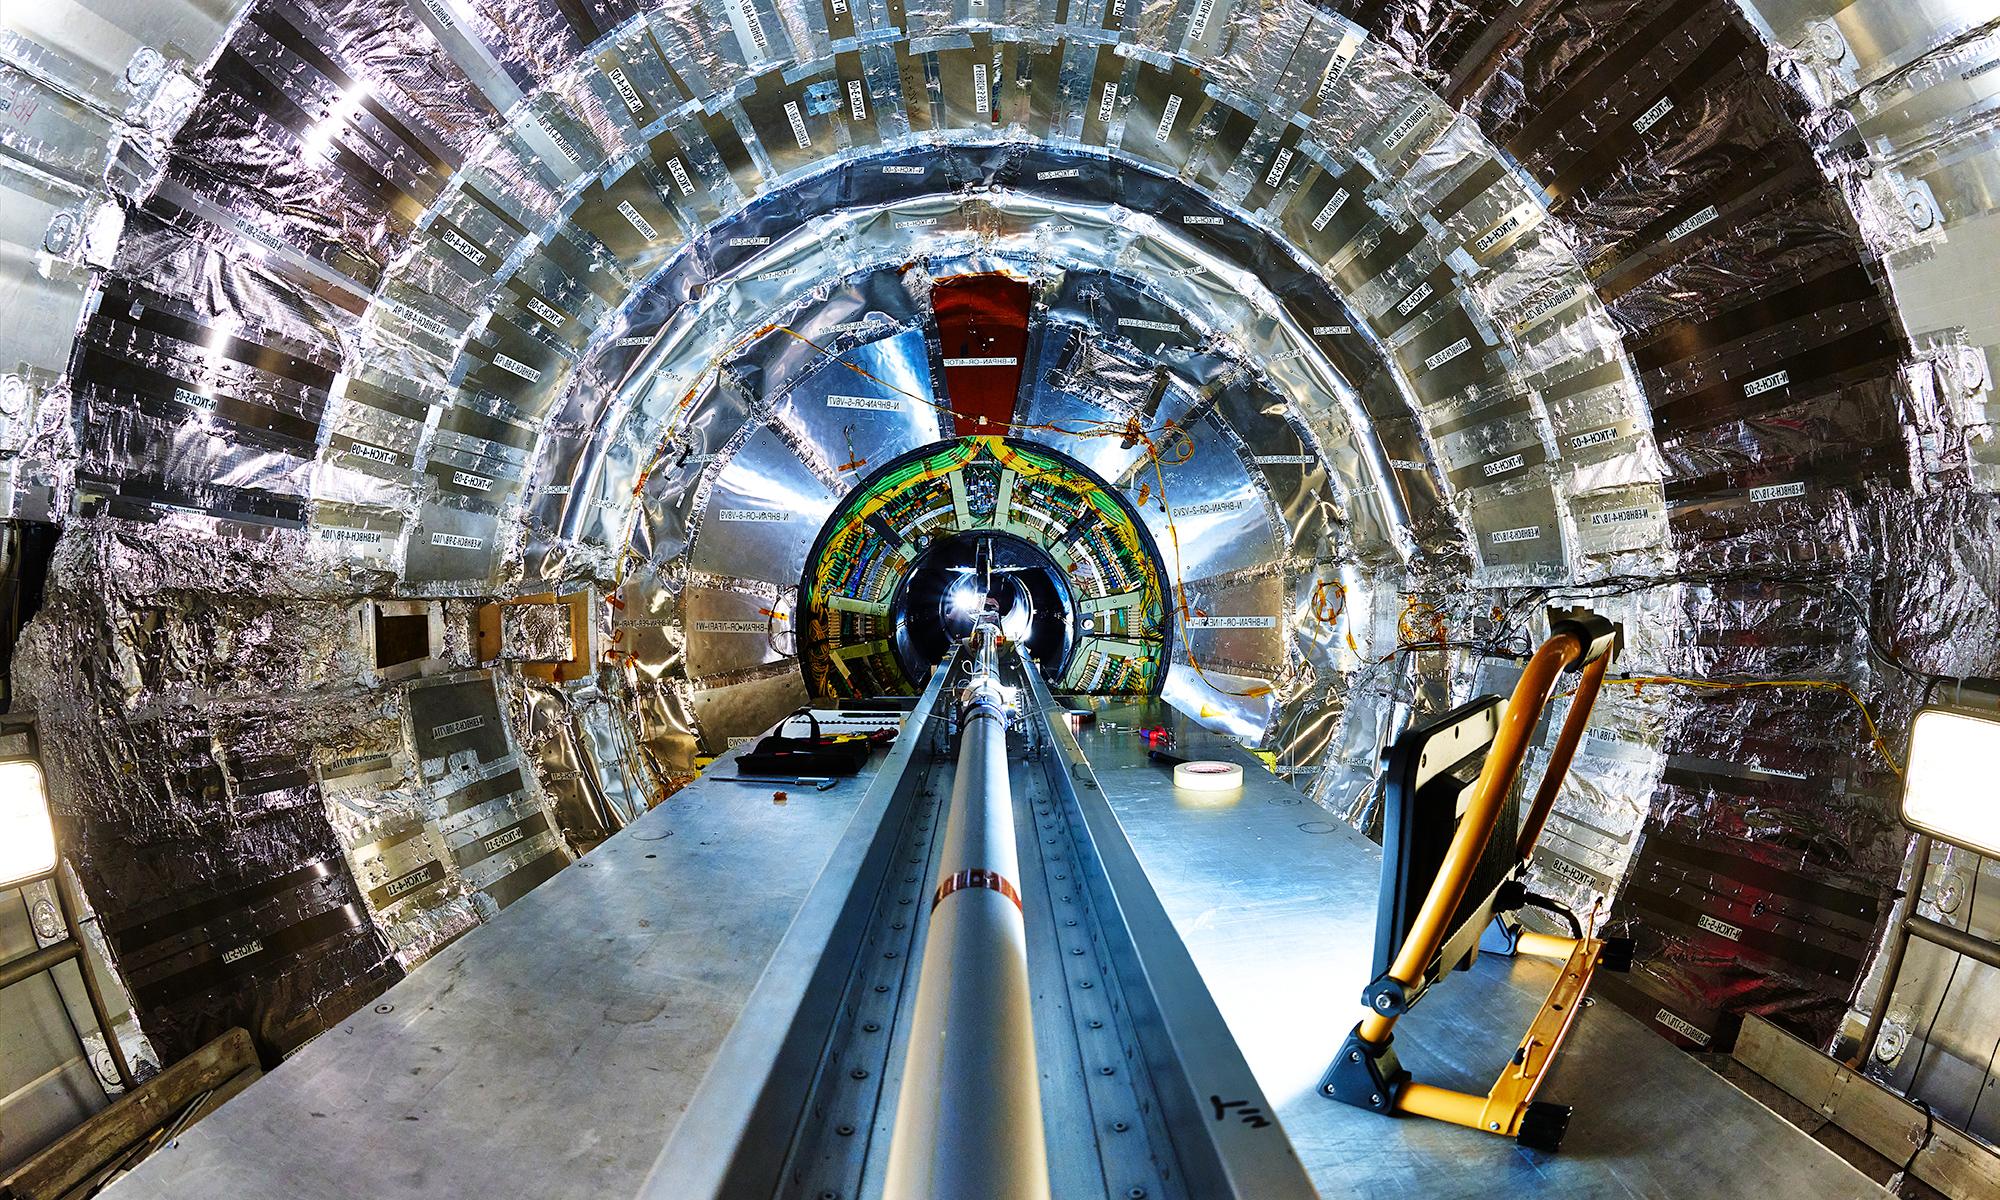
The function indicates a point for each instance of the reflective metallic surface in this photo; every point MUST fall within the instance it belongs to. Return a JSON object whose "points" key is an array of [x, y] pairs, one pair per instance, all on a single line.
{"points": [[1396, 323]]}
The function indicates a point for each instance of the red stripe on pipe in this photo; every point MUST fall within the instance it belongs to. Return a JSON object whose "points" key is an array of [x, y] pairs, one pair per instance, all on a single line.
{"points": [[977, 877]]}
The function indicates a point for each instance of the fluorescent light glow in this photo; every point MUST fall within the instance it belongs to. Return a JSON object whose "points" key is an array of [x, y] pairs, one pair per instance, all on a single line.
{"points": [[1948, 790], [27, 839]]}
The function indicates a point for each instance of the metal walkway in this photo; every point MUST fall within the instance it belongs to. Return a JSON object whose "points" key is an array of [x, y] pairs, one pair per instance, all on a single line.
{"points": [[648, 992]]}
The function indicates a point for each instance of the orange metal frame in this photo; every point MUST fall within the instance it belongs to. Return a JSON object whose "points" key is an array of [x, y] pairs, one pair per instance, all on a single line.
{"points": [[1502, 1109]]}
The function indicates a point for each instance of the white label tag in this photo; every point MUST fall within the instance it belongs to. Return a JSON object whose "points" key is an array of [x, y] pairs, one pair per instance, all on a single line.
{"points": [[982, 97], [1410, 302], [639, 223], [1278, 165], [1447, 354], [457, 541], [1596, 437], [1198, 24], [1327, 210], [1692, 223], [1109, 101], [1141, 323], [982, 362], [517, 367], [1064, 173], [1528, 533], [756, 27], [478, 483], [1652, 116], [1491, 237], [1167, 116], [1404, 128], [756, 515], [731, 627], [546, 313], [1722, 927], [375, 453], [1282, 460], [462, 725], [798, 121], [1681, 1027], [621, 84], [1776, 491], [455, 241], [1619, 516], [1232, 622], [870, 403], [1500, 466], [857, 100], [339, 533], [1758, 387], [681, 180]]}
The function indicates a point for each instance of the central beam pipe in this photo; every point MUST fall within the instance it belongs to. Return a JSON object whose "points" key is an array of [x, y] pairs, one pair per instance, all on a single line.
{"points": [[969, 1117]]}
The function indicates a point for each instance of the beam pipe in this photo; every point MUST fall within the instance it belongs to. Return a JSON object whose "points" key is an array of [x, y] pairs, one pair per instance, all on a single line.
{"points": [[969, 1115]]}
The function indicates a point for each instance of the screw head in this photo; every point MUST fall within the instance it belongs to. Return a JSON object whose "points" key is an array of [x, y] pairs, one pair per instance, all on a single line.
{"points": [[1495, 1126], [1374, 1100], [1328, 1089], [1354, 1056], [1382, 1002]]}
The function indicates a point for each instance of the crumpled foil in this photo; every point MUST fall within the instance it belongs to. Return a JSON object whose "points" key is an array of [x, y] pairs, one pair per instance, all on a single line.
{"points": [[472, 301]]}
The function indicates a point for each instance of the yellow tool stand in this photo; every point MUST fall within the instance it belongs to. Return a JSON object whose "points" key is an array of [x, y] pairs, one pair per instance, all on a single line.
{"points": [[1366, 1073]]}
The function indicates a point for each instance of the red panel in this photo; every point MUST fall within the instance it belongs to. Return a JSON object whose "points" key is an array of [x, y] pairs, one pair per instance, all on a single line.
{"points": [[982, 325]]}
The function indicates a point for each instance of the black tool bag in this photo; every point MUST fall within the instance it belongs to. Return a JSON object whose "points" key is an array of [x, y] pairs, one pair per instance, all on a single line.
{"points": [[813, 754]]}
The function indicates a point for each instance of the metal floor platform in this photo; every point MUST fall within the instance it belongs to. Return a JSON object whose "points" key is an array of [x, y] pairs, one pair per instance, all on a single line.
{"points": [[1276, 902], [552, 1052]]}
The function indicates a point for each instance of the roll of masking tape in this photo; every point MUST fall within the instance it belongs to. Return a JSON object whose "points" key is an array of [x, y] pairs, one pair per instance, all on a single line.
{"points": [[1202, 776]]}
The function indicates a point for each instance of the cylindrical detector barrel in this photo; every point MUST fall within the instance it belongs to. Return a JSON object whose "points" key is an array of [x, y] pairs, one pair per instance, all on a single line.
{"points": [[969, 1116]]}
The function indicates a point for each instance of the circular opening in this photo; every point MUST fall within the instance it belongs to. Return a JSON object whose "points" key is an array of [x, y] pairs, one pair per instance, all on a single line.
{"points": [[964, 577]]}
